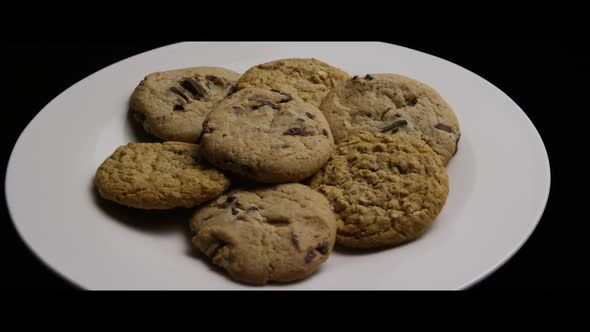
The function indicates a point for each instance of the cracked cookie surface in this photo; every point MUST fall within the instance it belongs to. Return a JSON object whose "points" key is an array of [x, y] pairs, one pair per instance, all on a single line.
{"points": [[267, 135], [276, 233], [385, 189], [172, 105], [391, 104], [159, 176], [310, 79]]}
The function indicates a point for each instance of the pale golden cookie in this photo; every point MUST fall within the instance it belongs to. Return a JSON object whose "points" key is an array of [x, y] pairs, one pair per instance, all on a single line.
{"points": [[386, 189], [159, 176]]}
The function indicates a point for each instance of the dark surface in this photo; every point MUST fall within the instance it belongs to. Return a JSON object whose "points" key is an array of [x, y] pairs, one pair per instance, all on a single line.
{"points": [[543, 77]]}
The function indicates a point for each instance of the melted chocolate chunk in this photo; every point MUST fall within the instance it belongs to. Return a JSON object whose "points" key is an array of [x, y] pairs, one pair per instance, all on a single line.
{"points": [[232, 90], [412, 101], [284, 100], [325, 132], [310, 256], [309, 115], [293, 132], [263, 102], [323, 248], [369, 77], [179, 108], [194, 87], [179, 93], [394, 126], [443, 127]]}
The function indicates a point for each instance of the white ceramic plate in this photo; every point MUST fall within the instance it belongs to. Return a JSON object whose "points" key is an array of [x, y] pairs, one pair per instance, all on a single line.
{"points": [[499, 180]]}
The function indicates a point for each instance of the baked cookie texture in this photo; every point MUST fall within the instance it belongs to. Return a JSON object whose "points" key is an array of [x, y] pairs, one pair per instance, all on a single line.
{"points": [[390, 103], [310, 79], [278, 233], [385, 189], [172, 105], [268, 136], [159, 176]]}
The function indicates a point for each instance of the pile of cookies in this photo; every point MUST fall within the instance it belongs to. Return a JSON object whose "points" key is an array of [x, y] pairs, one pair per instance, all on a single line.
{"points": [[285, 161]]}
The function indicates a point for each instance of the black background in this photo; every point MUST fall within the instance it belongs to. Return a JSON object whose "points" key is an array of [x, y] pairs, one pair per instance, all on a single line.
{"points": [[547, 78]]}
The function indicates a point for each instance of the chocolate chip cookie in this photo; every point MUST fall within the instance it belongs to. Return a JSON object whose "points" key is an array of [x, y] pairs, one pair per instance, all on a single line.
{"points": [[391, 104], [159, 176], [310, 79], [386, 189], [278, 233], [268, 136], [172, 105]]}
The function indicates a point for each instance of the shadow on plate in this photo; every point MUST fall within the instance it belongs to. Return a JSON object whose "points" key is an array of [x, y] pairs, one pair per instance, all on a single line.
{"points": [[168, 221], [147, 221]]}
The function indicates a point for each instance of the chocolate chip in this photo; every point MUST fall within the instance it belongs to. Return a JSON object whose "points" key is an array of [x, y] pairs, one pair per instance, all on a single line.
{"points": [[252, 209], [234, 211], [289, 98], [295, 241], [323, 248], [355, 77], [194, 87], [178, 108], [309, 115], [310, 256], [397, 115], [230, 199], [278, 222], [232, 90], [300, 120], [412, 101], [369, 77], [178, 92], [263, 102], [395, 126], [443, 127], [325, 132], [293, 132], [307, 132], [142, 82], [457, 144], [216, 80]]}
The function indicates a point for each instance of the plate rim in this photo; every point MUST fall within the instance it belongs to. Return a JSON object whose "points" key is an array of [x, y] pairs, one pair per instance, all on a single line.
{"points": [[466, 285]]}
